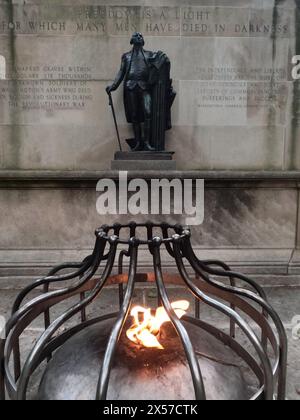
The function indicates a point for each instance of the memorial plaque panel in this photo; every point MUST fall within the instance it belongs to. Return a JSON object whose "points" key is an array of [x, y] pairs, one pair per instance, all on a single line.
{"points": [[50, 101], [232, 103]]}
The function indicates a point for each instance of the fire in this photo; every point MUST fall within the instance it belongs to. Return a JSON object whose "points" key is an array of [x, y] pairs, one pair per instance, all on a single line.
{"points": [[146, 327]]}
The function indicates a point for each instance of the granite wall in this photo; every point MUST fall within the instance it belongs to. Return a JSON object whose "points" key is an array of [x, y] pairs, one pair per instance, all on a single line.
{"points": [[251, 222], [236, 124]]}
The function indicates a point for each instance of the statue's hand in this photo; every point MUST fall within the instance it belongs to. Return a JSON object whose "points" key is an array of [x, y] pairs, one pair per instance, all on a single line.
{"points": [[110, 89]]}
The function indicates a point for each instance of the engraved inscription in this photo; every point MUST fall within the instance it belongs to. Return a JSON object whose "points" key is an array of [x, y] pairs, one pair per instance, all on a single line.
{"points": [[163, 21], [234, 74], [45, 95], [241, 103]]}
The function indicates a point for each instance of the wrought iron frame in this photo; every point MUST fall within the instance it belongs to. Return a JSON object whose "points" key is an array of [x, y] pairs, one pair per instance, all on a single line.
{"points": [[206, 287]]}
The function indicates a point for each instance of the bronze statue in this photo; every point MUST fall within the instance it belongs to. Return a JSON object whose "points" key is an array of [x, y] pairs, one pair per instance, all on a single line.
{"points": [[148, 95]]}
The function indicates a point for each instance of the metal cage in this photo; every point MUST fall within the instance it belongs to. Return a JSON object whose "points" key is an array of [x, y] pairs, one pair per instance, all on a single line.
{"points": [[206, 287]]}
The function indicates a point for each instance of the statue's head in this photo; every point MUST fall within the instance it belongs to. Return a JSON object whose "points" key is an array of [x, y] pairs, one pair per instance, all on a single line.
{"points": [[137, 39]]}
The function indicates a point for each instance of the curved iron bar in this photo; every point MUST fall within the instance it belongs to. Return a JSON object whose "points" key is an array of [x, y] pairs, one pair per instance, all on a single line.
{"points": [[181, 331], [45, 282], [103, 382], [22, 325], [122, 254], [227, 340], [269, 383], [99, 251], [247, 308], [38, 348], [256, 316], [51, 276], [232, 283], [30, 307], [56, 342], [212, 262], [165, 232], [207, 268], [59, 340], [150, 226], [82, 297], [134, 226], [217, 334], [180, 247], [259, 290], [46, 286], [283, 347], [2, 370], [25, 315]]}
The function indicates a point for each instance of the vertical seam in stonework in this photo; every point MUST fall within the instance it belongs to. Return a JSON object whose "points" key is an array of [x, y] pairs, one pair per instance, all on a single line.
{"points": [[15, 133], [298, 217], [283, 165], [180, 22], [295, 105], [297, 236]]}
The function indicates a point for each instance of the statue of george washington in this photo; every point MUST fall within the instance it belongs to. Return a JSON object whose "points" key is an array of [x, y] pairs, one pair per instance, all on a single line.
{"points": [[148, 95]]}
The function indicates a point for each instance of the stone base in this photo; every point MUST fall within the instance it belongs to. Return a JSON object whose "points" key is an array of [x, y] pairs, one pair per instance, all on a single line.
{"points": [[143, 161], [241, 210], [142, 374]]}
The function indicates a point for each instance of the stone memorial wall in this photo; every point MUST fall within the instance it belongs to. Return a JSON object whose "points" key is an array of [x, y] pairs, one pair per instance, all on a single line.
{"points": [[237, 104], [236, 123]]}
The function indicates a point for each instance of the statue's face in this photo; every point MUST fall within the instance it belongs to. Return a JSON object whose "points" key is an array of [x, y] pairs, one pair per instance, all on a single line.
{"points": [[137, 39]]}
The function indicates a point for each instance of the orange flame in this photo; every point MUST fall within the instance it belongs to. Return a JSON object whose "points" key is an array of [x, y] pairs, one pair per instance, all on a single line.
{"points": [[146, 327]]}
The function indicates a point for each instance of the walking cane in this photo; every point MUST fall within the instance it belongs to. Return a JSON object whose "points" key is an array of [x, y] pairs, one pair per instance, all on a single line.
{"points": [[111, 104]]}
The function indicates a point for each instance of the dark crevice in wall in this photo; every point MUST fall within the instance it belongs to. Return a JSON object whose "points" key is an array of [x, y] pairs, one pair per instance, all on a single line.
{"points": [[295, 129], [298, 222], [274, 34], [271, 119], [15, 139]]}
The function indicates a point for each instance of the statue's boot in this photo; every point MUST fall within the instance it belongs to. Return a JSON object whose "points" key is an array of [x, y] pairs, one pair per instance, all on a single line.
{"points": [[147, 129], [138, 137]]}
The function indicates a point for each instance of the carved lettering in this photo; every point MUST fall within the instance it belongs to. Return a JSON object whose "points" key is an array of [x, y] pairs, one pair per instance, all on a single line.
{"points": [[47, 26], [91, 27]]}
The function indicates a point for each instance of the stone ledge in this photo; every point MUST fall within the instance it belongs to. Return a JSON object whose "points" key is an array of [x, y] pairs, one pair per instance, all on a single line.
{"points": [[285, 281], [294, 267], [249, 261], [79, 176], [269, 267]]}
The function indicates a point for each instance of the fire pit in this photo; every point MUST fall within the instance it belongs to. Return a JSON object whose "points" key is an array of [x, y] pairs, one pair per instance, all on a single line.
{"points": [[148, 353]]}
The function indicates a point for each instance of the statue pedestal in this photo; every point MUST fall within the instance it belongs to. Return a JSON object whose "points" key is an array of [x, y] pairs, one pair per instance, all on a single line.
{"points": [[143, 161]]}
